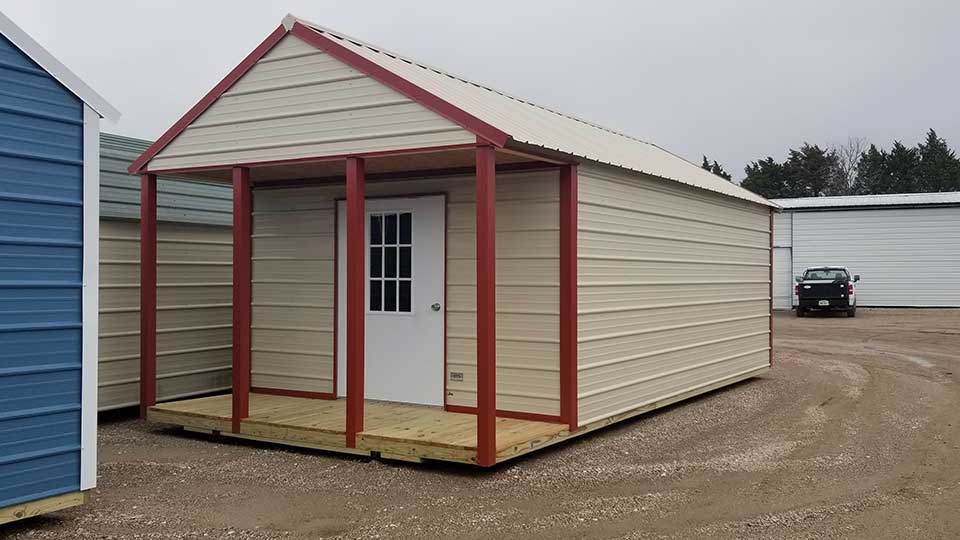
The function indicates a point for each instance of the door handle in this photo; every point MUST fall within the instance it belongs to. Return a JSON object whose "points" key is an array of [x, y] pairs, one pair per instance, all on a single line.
{"points": [[435, 306]]}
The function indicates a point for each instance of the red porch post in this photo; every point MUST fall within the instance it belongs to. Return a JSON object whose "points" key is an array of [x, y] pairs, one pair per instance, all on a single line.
{"points": [[241, 294], [568, 295], [148, 292], [486, 307], [356, 288]]}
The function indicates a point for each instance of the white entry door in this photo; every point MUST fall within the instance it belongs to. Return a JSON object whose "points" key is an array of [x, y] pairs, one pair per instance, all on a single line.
{"points": [[405, 241]]}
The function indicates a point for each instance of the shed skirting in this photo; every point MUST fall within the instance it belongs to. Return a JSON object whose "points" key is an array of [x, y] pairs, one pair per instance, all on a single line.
{"points": [[42, 506]]}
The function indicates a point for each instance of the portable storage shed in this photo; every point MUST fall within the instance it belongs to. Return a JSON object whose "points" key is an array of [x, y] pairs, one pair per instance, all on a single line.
{"points": [[49, 139], [195, 287], [904, 246], [425, 267]]}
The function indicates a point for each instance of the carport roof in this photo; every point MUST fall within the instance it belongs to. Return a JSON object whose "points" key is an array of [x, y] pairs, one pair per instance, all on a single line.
{"points": [[893, 199]]}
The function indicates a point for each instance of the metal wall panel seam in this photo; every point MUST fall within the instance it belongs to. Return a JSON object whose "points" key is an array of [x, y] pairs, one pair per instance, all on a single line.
{"points": [[663, 374], [597, 311], [640, 405]]}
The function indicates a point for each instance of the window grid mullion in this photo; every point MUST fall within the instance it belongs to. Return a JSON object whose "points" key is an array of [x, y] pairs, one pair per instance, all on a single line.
{"points": [[396, 278]]}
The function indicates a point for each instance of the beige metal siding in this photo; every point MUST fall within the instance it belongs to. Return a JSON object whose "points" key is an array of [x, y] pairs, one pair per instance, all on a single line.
{"points": [[298, 101], [299, 277], [293, 293], [528, 294], [673, 290], [194, 313]]}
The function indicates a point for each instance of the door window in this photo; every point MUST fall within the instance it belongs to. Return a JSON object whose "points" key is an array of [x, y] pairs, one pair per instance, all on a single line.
{"points": [[391, 262]]}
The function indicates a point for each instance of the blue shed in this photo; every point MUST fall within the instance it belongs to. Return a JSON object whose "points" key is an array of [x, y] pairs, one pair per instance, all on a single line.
{"points": [[49, 176]]}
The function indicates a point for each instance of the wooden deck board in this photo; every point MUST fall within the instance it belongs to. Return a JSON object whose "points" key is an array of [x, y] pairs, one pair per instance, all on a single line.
{"points": [[395, 430]]}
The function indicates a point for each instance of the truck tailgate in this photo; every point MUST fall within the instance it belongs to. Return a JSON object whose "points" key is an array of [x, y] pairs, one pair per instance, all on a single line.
{"points": [[825, 289]]}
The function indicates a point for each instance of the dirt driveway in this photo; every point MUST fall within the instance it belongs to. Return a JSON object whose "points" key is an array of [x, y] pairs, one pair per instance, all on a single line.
{"points": [[854, 434]]}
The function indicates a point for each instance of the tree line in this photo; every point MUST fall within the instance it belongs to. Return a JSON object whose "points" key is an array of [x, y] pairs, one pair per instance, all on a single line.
{"points": [[853, 168]]}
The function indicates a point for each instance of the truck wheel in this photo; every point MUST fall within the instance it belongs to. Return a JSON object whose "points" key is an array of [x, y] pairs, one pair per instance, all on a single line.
{"points": [[799, 312], [852, 312]]}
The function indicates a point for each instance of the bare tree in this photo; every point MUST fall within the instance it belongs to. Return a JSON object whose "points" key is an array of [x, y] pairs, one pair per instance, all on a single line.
{"points": [[848, 158]]}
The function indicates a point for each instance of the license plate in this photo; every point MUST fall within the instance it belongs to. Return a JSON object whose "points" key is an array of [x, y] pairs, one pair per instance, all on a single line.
{"points": [[824, 302]]}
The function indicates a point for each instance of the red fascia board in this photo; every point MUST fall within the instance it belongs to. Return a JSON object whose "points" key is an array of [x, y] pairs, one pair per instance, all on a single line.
{"points": [[315, 159], [412, 174], [440, 106], [207, 100]]}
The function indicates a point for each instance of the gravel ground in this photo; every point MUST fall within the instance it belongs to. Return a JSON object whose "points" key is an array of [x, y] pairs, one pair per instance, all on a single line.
{"points": [[853, 434]]}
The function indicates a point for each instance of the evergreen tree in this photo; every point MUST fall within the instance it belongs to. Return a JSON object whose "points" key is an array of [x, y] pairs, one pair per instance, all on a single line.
{"points": [[903, 168], [939, 168], [872, 174], [716, 169], [813, 172], [765, 177]]}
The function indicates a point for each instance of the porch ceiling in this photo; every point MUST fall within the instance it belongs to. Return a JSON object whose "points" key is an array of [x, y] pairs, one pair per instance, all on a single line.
{"points": [[325, 170]]}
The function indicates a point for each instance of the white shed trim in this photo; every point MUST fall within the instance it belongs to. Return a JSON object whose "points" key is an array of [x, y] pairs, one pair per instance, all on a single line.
{"points": [[90, 297]]}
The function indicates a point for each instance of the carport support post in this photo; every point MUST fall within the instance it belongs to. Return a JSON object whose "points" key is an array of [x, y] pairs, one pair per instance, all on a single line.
{"points": [[148, 292], [486, 307], [242, 229], [356, 291]]}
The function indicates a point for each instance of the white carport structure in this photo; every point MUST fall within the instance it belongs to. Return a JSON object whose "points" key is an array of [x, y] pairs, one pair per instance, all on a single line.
{"points": [[905, 247]]}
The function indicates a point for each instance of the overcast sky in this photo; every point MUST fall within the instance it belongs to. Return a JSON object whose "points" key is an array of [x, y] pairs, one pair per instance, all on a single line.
{"points": [[736, 80]]}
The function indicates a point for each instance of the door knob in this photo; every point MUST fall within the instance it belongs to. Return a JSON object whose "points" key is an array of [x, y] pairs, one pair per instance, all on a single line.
{"points": [[435, 306]]}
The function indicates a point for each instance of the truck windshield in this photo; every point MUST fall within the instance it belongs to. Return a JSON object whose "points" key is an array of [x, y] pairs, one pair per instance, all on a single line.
{"points": [[832, 274]]}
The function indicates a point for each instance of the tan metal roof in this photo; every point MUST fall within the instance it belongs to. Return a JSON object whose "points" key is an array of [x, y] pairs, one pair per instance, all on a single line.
{"points": [[538, 126]]}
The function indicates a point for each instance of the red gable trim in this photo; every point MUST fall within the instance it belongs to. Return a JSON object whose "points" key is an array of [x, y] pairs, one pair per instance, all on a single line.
{"points": [[469, 122], [207, 100]]}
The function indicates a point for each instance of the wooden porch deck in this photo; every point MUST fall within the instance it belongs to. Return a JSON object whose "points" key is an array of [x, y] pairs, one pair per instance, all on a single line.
{"points": [[392, 430]]}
